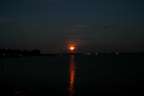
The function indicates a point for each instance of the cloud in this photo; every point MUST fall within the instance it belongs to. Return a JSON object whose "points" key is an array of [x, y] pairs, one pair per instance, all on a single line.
{"points": [[81, 26]]}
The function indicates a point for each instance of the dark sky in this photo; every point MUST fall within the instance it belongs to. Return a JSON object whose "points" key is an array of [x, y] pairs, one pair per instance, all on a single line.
{"points": [[99, 24]]}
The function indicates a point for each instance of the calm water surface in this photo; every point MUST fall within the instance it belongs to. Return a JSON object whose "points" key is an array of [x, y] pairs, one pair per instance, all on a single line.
{"points": [[68, 76]]}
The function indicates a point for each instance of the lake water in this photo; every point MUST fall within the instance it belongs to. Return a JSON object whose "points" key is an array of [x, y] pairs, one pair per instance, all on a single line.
{"points": [[71, 75]]}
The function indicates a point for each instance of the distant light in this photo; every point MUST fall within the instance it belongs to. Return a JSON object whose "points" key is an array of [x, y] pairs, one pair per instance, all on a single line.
{"points": [[117, 53], [4, 54], [96, 53], [20, 55], [88, 53]]}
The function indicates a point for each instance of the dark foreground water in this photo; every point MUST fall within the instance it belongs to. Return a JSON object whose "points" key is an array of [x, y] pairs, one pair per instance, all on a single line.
{"points": [[89, 76]]}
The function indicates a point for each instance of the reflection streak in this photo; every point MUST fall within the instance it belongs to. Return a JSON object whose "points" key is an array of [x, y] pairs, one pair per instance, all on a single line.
{"points": [[71, 76]]}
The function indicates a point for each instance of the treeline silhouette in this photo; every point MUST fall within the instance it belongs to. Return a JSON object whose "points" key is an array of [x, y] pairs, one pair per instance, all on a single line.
{"points": [[18, 52]]}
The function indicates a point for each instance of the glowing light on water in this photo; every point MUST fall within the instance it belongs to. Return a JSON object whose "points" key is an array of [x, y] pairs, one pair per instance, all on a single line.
{"points": [[71, 77]]}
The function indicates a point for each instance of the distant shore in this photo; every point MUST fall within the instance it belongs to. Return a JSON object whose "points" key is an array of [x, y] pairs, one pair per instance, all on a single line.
{"points": [[36, 52]]}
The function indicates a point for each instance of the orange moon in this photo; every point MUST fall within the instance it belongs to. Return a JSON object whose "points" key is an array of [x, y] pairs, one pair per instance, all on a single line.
{"points": [[72, 48]]}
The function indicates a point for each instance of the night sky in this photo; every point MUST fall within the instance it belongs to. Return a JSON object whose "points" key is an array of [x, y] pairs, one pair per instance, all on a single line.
{"points": [[99, 24]]}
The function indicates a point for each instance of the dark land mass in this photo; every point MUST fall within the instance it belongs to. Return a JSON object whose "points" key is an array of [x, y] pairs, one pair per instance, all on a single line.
{"points": [[36, 52]]}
